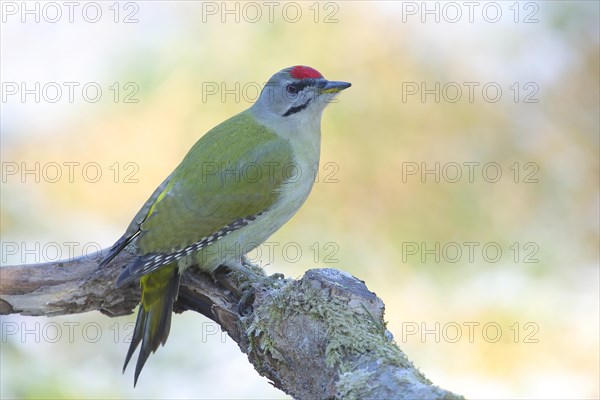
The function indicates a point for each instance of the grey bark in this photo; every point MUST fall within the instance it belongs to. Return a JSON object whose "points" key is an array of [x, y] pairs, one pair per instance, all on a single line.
{"points": [[319, 337]]}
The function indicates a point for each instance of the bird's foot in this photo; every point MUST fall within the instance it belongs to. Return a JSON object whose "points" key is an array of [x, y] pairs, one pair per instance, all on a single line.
{"points": [[247, 273], [250, 279], [245, 305], [277, 276]]}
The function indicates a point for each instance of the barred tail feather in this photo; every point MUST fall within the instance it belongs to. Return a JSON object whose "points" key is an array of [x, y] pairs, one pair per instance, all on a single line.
{"points": [[159, 292]]}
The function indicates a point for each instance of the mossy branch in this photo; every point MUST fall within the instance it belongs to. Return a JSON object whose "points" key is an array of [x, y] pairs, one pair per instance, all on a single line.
{"points": [[320, 337]]}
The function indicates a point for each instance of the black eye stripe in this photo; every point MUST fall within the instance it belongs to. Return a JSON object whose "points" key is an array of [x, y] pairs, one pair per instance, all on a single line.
{"points": [[299, 86]]}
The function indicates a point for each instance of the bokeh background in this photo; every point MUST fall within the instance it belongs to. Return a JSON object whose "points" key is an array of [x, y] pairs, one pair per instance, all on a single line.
{"points": [[519, 324]]}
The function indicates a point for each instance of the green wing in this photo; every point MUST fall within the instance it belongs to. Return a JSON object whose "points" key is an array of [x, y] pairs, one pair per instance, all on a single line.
{"points": [[232, 173], [134, 227], [229, 177]]}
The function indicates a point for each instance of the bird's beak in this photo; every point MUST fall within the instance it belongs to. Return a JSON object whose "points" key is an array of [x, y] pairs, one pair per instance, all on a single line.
{"points": [[326, 86]]}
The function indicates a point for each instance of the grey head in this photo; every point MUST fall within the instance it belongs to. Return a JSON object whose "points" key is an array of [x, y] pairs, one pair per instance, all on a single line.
{"points": [[296, 93]]}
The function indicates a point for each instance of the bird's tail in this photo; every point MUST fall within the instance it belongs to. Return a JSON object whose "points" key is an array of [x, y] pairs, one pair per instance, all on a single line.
{"points": [[159, 292]]}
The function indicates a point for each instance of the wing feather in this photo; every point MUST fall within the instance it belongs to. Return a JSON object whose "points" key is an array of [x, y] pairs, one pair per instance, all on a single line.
{"points": [[232, 175]]}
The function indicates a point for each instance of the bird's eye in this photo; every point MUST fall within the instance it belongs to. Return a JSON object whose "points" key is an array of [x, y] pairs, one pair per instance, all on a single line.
{"points": [[291, 89]]}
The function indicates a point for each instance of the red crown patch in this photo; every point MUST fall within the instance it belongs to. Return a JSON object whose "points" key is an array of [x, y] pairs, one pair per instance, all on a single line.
{"points": [[303, 72]]}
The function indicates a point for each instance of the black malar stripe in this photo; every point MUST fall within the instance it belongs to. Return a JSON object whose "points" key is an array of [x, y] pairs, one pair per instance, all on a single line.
{"points": [[294, 110]]}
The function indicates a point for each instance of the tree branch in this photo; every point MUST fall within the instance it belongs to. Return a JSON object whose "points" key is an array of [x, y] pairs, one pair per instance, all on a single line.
{"points": [[320, 337]]}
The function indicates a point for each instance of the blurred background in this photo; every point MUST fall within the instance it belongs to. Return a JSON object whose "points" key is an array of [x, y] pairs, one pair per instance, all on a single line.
{"points": [[458, 179]]}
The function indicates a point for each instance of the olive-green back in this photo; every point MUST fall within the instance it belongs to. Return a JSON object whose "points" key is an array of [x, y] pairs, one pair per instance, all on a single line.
{"points": [[232, 172]]}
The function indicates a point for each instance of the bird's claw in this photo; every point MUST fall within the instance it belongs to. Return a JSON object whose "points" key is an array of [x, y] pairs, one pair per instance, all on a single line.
{"points": [[246, 301]]}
